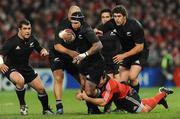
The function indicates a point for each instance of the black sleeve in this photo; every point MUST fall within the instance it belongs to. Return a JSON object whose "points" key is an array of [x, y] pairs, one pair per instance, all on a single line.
{"points": [[89, 34], [58, 41], [108, 26], [37, 46], [62, 25], [7, 47], [138, 33]]}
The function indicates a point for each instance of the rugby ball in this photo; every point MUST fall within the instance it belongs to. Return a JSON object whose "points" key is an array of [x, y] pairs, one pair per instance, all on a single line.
{"points": [[67, 35]]}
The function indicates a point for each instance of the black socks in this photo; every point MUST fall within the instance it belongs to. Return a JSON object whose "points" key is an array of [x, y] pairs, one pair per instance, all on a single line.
{"points": [[21, 94]]}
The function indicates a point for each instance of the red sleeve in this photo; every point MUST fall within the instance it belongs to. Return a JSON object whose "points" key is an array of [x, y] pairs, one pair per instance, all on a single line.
{"points": [[109, 91]]}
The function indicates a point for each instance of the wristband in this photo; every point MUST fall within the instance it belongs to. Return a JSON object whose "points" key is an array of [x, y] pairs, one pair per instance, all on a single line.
{"points": [[1, 60], [86, 53]]}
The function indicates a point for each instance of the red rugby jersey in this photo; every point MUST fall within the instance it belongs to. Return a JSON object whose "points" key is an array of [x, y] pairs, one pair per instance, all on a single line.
{"points": [[113, 87]]}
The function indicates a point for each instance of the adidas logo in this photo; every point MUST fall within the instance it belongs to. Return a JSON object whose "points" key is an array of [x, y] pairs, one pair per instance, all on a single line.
{"points": [[112, 33], [18, 48], [137, 62], [56, 59], [128, 33], [80, 36], [88, 76], [31, 44], [13, 70]]}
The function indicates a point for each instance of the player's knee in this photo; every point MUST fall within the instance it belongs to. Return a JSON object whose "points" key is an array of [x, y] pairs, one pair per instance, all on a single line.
{"points": [[133, 76], [20, 84], [59, 79], [41, 90]]}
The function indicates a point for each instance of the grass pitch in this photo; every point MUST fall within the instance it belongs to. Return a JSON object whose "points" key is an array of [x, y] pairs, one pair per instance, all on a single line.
{"points": [[73, 109]]}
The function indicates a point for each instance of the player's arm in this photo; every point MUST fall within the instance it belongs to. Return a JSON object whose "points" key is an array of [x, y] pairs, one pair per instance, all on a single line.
{"points": [[59, 35], [7, 47], [39, 49], [96, 101], [138, 37], [138, 48], [103, 28], [107, 95], [90, 35], [96, 45], [60, 48], [3, 67]]}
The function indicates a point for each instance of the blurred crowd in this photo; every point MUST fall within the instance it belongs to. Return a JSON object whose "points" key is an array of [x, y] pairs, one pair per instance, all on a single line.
{"points": [[160, 19]]}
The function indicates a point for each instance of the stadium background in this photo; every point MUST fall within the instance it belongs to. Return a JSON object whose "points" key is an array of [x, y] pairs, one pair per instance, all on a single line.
{"points": [[160, 19]]}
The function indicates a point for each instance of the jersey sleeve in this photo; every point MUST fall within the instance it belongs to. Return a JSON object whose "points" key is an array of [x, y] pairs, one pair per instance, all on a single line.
{"points": [[138, 33], [108, 92], [37, 46], [7, 47], [63, 25], [89, 34], [108, 26], [58, 41]]}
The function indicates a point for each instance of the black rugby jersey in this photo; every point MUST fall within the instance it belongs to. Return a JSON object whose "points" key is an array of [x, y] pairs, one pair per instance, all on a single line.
{"points": [[85, 37], [64, 24], [129, 34], [18, 51], [111, 45]]}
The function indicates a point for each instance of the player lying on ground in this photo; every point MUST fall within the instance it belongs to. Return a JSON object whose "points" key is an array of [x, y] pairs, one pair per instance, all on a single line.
{"points": [[125, 96]]}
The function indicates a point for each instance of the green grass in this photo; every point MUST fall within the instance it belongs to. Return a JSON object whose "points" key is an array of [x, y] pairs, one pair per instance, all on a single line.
{"points": [[9, 108]]}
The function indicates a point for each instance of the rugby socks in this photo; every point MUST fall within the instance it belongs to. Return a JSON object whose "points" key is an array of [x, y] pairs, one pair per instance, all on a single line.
{"points": [[136, 87], [152, 102], [21, 94], [59, 104], [44, 100]]}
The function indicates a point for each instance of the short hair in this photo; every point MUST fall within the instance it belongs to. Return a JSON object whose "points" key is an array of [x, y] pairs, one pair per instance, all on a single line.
{"points": [[105, 10], [23, 22], [120, 9]]}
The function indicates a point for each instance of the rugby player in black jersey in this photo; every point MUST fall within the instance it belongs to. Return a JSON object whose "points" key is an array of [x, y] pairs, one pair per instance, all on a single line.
{"points": [[60, 58], [90, 61], [134, 46], [111, 47], [16, 68]]}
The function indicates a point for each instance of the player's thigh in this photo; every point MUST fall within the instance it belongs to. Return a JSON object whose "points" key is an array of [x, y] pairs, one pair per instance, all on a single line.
{"points": [[134, 71], [123, 73], [16, 78], [37, 85]]}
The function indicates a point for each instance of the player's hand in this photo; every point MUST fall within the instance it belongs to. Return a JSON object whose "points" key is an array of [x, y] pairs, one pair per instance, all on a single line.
{"points": [[79, 58], [44, 52], [65, 35], [79, 95], [98, 32], [119, 58], [84, 95], [3, 68], [73, 54]]}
